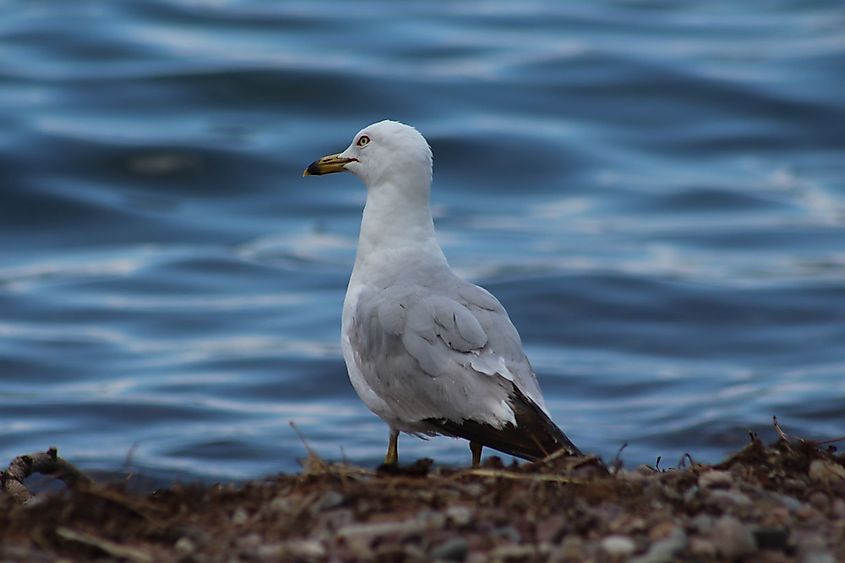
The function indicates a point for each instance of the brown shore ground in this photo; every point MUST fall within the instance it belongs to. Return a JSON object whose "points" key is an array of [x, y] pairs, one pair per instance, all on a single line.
{"points": [[782, 502]]}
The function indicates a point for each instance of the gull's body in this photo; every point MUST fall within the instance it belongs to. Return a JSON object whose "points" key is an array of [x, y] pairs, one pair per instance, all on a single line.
{"points": [[426, 351]]}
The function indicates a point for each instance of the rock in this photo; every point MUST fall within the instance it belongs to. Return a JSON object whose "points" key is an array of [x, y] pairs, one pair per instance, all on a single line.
{"points": [[618, 546], [771, 538], [514, 553], [282, 504], [185, 545], [329, 500], [703, 523], [455, 549], [572, 549], [826, 472], [292, 550], [820, 501], [508, 533], [664, 550], [789, 502], [734, 538], [551, 528], [459, 515], [240, 517], [423, 521], [703, 548], [715, 479], [734, 497], [818, 557]]}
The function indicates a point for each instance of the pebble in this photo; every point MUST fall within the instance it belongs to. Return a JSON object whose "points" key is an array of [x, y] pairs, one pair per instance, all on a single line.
{"points": [[329, 500], [818, 557], [571, 549], [702, 548], [820, 501], [240, 517], [789, 502], [772, 538], [715, 479], [551, 529], [298, 550], [735, 539], [703, 523], [618, 546], [185, 545], [734, 497], [826, 472], [455, 549], [459, 515], [664, 550], [838, 508]]}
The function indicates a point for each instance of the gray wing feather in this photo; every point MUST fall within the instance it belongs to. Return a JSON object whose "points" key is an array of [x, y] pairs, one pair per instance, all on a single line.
{"points": [[444, 352]]}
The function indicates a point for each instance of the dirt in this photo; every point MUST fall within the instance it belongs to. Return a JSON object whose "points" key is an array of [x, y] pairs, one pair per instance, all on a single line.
{"points": [[782, 502]]}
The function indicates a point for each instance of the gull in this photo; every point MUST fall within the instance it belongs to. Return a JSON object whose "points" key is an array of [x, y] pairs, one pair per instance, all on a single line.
{"points": [[426, 351]]}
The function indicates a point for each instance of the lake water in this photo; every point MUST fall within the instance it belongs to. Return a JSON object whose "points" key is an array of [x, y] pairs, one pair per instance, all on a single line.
{"points": [[655, 191]]}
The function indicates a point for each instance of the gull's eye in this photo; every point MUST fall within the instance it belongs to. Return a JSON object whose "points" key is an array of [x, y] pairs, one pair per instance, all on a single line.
{"points": [[362, 141]]}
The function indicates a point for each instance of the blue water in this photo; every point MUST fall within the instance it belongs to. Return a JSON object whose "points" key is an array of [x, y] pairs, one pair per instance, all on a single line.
{"points": [[655, 191]]}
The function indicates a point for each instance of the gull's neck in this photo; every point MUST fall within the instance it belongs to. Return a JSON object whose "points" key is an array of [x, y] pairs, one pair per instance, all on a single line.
{"points": [[397, 227]]}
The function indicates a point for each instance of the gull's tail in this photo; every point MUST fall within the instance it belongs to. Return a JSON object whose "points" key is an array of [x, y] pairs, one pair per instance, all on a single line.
{"points": [[533, 437]]}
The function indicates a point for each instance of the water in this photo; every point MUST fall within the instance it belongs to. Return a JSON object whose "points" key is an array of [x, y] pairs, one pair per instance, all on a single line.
{"points": [[655, 191]]}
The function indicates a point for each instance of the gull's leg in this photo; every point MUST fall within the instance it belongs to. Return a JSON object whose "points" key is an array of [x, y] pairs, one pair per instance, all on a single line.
{"points": [[392, 456], [475, 448]]}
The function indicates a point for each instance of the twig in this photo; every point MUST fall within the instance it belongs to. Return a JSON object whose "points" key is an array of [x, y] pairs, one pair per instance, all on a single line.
{"points": [[108, 546], [520, 476], [46, 463], [617, 461], [683, 461], [781, 433]]}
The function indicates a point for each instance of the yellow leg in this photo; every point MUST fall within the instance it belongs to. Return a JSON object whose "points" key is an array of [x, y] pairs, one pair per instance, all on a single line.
{"points": [[392, 456], [475, 448]]}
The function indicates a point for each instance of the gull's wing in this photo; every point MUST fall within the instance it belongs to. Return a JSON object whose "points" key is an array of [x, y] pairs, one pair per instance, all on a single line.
{"points": [[447, 358]]}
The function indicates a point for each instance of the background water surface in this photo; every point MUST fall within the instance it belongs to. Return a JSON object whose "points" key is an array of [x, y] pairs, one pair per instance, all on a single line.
{"points": [[655, 190]]}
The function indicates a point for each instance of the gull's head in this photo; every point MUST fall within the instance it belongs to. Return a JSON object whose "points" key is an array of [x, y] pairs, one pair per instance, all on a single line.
{"points": [[381, 153]]}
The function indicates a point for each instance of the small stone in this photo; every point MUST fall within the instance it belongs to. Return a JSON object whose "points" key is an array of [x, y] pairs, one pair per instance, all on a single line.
{"points": [[664, 551], [818, 557], [459, 515], [508, 533], [661, 531], [551, 528], [249, 541], [292, 550], [806, 512], [735, 539], [329, 500], [702, 548], [789, 502], [454, 549], [240, 517], [691, 494], [731, 496], [185, 545], [618, 546], [282, 504], [820, 501], [826, 472], [703, 523], [838, 508], [715, 480], [776, 539], [571, 549], [513, 553]]}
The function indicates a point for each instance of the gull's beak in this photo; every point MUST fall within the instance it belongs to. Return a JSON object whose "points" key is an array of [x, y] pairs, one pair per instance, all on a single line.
{"points": [[328, 165]]}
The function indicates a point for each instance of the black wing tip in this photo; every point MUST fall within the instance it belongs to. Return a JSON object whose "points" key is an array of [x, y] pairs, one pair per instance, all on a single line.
{"points": [[533, 437]]}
